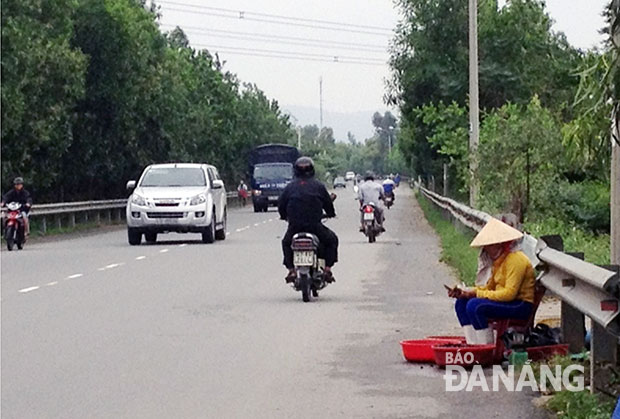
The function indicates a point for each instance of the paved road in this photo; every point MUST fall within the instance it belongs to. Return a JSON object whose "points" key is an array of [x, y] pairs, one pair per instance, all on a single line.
{"points": [[94, 328]]}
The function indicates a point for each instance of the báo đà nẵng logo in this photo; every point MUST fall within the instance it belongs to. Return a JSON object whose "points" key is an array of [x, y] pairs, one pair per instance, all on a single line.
{"points": [[535, 377]]}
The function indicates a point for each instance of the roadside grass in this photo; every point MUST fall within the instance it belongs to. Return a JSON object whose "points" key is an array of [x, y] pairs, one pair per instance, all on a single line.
{"points": [[454, 243], [580, 405], [594, 246]]}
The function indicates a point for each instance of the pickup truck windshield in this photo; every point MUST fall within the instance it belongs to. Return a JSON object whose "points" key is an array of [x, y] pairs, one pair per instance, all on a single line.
{"points": [[174, 176], [273, 172]]}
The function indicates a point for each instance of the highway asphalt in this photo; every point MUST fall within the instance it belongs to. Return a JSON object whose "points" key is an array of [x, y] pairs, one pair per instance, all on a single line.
{"points": [[95, 328]]}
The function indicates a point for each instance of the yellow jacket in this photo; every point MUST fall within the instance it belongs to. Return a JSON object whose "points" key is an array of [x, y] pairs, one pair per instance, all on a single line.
{"points": [[513, 278]]}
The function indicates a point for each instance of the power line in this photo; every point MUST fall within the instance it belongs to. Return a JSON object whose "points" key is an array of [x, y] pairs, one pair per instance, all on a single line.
{"points": [[274, 38], [242, 14], [243, 17], [287, 53], [299, 58]]}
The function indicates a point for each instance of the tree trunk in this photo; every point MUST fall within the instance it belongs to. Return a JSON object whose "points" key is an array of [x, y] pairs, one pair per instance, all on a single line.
{"points": [[615, 186]]}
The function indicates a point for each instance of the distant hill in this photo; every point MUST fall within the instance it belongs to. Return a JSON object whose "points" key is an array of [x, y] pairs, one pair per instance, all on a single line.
{"points": [[359, 123]]}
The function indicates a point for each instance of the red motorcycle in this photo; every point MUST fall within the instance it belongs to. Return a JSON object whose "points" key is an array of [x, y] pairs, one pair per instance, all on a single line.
{"points": [[15, 226]]}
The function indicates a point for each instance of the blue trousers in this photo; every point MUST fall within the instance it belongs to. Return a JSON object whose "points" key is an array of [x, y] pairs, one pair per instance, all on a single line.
{"points": [[477, 311]]}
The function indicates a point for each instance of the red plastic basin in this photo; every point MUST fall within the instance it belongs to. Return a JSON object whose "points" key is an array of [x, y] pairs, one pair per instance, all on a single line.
{"points": [[421, 350], [463, 354], [450, 339], [539, 353]]}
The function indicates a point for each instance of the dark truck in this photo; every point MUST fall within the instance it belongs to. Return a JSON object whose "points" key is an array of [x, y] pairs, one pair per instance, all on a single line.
{"points": [[271, 169]]}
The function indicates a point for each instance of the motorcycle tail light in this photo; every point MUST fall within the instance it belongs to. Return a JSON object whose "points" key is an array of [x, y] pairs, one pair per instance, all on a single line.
{"points": [[368, 209]]}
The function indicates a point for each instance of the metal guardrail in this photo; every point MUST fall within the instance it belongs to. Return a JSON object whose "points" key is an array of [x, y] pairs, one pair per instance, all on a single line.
{"points": [[66, 213], [584, 288]]}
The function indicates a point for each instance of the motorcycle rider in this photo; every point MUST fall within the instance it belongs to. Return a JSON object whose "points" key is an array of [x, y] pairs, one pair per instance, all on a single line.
{"points": [[370, 192], [302, 204], [388, 188], [21, 195]]}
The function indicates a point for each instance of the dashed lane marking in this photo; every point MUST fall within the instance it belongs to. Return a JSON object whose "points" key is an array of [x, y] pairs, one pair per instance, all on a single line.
{"points": [[74, 276], [141, 258], [163, 251], [49, 284], [24, 290], [183, 245]]}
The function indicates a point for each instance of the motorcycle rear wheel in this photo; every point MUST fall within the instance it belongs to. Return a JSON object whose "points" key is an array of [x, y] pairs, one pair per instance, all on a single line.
{"points": [[305, 289]]}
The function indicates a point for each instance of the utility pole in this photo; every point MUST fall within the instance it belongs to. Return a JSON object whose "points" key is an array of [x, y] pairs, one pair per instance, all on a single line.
{"points": [[321, 102], [474, 112], [615, 185]]}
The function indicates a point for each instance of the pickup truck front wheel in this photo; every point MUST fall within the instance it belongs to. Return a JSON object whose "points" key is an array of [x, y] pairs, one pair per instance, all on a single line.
{"points": [[208, 235], [134, 237]]}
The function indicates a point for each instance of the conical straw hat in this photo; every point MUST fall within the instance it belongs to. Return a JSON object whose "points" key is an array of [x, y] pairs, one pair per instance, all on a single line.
{"points": [[495, 232]]}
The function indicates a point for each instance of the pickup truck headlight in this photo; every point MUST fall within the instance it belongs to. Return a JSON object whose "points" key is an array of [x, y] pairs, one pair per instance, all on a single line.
{"points": [[256, 192], [138, 200], [198, 199]]}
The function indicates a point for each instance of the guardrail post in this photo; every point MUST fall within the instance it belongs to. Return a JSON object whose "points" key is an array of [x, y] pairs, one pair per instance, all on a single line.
{"points": [[85, 216], [59, 221], [108, 216], [603, 357], [97, 217], [573, 322], [72, 220], [43, 224], [119, 214]]}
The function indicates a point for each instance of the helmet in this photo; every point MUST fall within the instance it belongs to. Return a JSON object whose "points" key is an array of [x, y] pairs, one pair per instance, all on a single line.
{"points": [[369, 175], [304, 167], [18, 181]]}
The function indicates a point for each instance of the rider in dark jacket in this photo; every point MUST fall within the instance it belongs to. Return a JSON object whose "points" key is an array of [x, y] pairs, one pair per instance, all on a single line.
{"points": [[18, 194], [302, 204]]}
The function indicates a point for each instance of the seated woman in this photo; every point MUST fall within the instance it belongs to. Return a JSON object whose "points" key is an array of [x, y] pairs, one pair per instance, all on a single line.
{"points": [[509, 291]]}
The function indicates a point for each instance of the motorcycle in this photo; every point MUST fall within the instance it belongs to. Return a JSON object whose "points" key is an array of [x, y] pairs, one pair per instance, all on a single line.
{"points": [[14, 228], [389, 200], [371, 226], [309, 265]]}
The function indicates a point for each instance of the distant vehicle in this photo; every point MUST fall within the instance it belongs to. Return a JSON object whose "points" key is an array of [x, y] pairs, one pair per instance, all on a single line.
{"points": [[271, 169], [177, 197], [339, 182], [349, 176]]}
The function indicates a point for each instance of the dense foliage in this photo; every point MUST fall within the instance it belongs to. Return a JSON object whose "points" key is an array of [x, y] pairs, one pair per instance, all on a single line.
{"points": [[92, 91], [545, 108]]}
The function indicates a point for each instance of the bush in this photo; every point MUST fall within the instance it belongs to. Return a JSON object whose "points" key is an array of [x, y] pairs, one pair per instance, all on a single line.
{"points": [[587, 203], [594, 246], [580, 405]]}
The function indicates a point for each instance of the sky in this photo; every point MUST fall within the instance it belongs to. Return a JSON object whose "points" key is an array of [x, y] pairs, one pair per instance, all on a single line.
{"points": [[351, 90]]}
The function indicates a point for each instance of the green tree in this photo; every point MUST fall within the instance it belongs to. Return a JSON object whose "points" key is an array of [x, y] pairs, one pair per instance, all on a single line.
{"points": [[42, 77]]}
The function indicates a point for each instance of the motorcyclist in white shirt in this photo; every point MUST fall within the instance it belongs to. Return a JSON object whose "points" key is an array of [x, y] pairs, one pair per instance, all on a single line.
{"points": [[371, 192]]}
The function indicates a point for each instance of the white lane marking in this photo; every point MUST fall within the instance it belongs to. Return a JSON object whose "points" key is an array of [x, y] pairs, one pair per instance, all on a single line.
{"points": [[49, 284], [265, 222], [183, 245], [239, 230], [141, 257], [163, 251], [228, 233], [113, 265], [28, 289], [74, 276], [101, 269], [271, 219], [256, 224]]}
